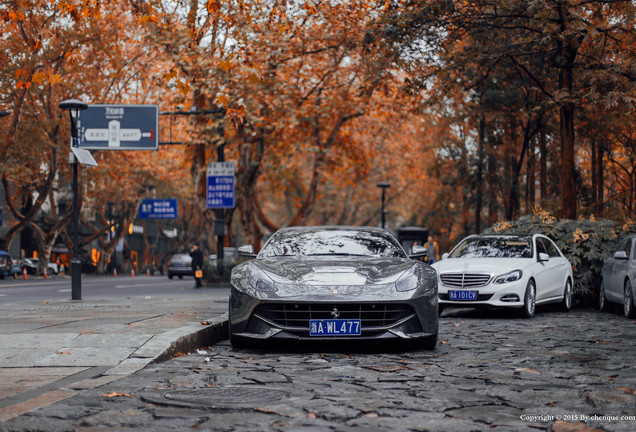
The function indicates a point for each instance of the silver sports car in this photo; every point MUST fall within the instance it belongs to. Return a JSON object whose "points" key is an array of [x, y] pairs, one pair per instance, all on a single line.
{"points": [[333, 283]]}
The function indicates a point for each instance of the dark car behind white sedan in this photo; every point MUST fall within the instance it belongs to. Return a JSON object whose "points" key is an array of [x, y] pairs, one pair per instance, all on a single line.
{"points": [[618, 275]]}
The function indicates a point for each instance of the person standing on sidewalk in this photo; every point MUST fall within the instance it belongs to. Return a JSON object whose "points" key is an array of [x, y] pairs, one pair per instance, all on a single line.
{"points": [[433, 250], [197, 264]]}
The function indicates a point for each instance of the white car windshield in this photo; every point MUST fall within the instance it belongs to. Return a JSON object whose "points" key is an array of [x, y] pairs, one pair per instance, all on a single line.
{"points": [[331, 242], [494, 247]]}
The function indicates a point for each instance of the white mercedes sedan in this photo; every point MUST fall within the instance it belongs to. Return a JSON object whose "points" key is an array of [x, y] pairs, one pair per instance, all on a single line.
{"points": [[513, 271]]}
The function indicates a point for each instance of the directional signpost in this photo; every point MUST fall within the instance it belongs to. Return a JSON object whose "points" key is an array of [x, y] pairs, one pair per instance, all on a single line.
{"points": [[158, 209], [221, 180], [119, 127]]}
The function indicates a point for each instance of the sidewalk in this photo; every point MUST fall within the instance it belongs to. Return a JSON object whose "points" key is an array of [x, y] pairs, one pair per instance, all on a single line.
{"points": [[51, 351]]}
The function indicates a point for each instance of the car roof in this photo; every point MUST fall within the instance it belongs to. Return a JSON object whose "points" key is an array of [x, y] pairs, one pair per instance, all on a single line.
{"points": [[503, 235], [334, 228]]}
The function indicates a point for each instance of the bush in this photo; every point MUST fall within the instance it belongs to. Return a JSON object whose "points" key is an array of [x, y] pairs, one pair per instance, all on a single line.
{"points": [[586, 243]]}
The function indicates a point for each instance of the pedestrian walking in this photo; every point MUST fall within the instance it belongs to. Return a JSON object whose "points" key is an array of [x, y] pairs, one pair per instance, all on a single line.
{"points": [[197, 264], [433, 250]]}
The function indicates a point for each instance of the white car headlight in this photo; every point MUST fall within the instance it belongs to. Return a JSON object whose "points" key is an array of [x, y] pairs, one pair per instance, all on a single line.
{"points": [[512, 276]]}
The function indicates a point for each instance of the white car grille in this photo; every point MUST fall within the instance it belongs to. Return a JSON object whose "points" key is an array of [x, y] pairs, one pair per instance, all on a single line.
{"points": [[465, 280]]}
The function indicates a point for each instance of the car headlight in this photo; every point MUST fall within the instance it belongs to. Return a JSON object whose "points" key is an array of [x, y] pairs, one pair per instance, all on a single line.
{"points": [[260, 281], [512, 276], [409, 280], [252, 278]]}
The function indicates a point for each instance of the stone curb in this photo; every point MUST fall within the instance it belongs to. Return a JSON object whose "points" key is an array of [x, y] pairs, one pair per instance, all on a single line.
{"points": [[216, 331]]}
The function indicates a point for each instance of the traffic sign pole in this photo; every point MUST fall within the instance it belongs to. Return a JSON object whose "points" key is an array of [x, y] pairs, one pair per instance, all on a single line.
{"points": [[74, 107]]}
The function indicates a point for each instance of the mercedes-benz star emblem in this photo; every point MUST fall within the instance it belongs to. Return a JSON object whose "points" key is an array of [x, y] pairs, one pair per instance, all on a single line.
{"points": [[335, 313]]}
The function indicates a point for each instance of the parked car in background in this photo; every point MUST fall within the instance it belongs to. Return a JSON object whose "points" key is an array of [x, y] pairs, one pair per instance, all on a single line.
{"points": [[617, 278], [5, 264], [51, 268], [29, 265], [333, 283], [180, 265], [512, 271]]}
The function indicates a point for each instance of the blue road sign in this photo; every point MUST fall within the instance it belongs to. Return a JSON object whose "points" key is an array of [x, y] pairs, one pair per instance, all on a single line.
{"points": [[119, 127], [221, 180], [158, 209]]}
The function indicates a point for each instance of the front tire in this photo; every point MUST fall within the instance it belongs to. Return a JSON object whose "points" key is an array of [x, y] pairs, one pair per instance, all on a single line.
{"points": [[602, 300], [566, 303], [529, 300], [628, 300]]}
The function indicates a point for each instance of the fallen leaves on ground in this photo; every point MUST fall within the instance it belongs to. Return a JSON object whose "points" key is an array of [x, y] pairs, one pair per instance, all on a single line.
{"points": [[115, 394], [526, 370], [563, 426], [269, 410]]}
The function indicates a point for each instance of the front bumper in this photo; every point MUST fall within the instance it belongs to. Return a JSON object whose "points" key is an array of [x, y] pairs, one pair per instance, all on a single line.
{"points": [[498, 295], [259, 320]]}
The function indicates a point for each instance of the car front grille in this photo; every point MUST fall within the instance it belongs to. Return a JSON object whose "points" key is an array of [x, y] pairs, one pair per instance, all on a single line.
{"points": [[297, 315], [465, 280]]}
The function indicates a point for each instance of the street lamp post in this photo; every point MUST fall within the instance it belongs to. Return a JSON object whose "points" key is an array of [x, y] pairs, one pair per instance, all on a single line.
{"points": [[74, 106], [383, 186]]}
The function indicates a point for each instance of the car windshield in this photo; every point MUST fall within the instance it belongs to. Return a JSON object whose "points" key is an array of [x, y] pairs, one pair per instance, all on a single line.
{"points": [[331, 242], [494, 247]]}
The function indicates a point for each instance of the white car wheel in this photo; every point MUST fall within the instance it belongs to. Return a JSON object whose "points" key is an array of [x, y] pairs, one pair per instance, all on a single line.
{"points": [[566, 303], [529, 300]]}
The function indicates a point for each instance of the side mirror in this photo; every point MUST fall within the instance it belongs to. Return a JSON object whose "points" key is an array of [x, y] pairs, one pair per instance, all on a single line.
{"points": [[246, 251], [543, 257], [418, 251], [445, 255], [620, 255]]}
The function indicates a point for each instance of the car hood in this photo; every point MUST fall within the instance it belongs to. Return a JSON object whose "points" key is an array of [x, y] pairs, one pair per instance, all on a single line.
{"points": [[343, 271], [494, 266]]}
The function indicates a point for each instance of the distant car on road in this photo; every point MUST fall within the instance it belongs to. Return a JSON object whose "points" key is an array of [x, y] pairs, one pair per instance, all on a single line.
{"points": [[513, 271], [180, 265], [333, 283], [51, 268], [618, 275], [5, 264], [29, 265]]}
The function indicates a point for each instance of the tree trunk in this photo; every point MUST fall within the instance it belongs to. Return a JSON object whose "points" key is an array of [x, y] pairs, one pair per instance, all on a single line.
{"points": [[478, 180], [568, 48]]}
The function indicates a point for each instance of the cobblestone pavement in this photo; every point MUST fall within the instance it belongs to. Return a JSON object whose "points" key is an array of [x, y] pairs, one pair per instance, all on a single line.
{"points": [[491, 371]]}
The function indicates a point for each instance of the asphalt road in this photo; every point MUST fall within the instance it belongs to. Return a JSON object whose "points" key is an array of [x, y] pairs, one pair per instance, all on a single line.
{"points": [[491, 372], [93, 287]]}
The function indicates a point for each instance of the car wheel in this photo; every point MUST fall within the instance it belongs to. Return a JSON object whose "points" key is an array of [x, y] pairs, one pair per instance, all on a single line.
{"points": [[440, 309], [180, 276], [170, 276], [529, 300], [566, 303], [628, 300], [602, 301]]}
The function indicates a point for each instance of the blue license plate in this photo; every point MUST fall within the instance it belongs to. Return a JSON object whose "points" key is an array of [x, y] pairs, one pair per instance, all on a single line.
{"points": [[334, 327], [462, 295]]}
